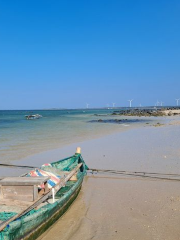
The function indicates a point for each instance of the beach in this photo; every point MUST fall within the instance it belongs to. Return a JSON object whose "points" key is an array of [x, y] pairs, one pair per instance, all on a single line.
{"points": [[121, 207], [126, 208], [111, 207]]}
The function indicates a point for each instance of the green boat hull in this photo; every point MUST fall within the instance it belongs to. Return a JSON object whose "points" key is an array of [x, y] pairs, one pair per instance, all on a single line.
{"points": [[38, 221], [53, 218]]}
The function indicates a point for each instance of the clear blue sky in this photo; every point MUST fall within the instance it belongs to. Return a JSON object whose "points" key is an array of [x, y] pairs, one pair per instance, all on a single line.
{"points": [[69, 53]]}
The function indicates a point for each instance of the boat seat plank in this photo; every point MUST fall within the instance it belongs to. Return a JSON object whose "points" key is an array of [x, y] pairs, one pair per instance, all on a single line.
{"points": [[23, 188], [11, 202], [23, 181]]}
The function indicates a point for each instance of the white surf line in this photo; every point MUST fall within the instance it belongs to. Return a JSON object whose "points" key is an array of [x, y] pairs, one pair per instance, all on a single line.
{"points": [[125, 125]]}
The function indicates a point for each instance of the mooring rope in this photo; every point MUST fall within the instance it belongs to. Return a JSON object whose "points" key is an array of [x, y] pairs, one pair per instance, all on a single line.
{"points": [[135, 172], [155, 175], [160, 176], [12, 165]]}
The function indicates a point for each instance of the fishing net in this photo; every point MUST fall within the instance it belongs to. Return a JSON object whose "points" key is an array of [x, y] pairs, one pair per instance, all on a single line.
{"points": [[37, 221], [6, 215]]}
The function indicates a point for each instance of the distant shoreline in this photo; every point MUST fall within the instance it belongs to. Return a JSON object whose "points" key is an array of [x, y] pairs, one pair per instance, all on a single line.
{"points": [[95, 108]]}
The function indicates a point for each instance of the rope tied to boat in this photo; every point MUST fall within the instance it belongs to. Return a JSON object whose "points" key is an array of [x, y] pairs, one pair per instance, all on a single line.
{"points": [[16, 166], [120, 173]]}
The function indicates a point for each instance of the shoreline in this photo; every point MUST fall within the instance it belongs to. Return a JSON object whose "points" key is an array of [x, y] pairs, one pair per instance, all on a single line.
{"points": [[55, 154], [122, 127], [21, 138], [24, 138]]}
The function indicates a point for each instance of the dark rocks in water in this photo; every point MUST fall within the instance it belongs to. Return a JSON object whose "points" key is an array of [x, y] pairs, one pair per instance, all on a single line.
{"points": [[116, 121], [148, 112], [173, 108], [99, 115], [158, 124], [140, 112]]}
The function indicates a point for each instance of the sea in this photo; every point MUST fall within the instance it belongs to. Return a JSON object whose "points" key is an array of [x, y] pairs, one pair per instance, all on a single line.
{"points": [[20, 137]]}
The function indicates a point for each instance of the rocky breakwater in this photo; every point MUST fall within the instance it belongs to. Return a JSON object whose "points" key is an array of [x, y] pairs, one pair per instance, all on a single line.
{"points": [[154, 112]]}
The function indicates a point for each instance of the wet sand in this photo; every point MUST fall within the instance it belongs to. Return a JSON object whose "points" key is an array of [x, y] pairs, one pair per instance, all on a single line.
{"points": [[125, 208]]}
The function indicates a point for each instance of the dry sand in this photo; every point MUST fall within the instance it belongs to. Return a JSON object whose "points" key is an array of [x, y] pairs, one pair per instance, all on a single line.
{"points": [[125, 208]]}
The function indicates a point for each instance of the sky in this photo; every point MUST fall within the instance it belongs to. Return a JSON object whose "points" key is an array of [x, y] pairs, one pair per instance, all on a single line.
{"points": [[64, 54]]}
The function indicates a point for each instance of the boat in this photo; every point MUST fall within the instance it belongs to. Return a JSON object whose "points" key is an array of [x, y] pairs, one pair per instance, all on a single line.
{"points": [[34, 116], [31, 203]]}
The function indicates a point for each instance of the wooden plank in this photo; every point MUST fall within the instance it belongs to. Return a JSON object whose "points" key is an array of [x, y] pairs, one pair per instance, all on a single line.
{"points": [[42, 199], [22, 193], [23, 181], [35, 192], [11, 202]]}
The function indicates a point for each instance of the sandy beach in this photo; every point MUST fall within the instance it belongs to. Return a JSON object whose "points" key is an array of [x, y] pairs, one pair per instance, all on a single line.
{"points": [[127, 208]]}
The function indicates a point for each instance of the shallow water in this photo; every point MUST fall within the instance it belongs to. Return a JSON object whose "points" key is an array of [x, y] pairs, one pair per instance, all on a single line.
{"points": [[20, 137]]}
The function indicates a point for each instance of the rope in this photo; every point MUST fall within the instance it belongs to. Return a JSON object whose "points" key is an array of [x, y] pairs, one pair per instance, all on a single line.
{"points": [[160, 176], [18, 166], [120, 171]]}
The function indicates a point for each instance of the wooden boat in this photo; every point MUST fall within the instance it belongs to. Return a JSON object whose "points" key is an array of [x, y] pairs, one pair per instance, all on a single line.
{"points": [[31, 117], [30, 205]]}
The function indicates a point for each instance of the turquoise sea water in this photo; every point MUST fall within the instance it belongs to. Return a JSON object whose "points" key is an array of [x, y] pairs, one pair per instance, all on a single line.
{"points": [[20, 137]]}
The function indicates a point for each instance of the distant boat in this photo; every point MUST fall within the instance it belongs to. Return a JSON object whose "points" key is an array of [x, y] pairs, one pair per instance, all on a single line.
{"points": [[35, 116]]}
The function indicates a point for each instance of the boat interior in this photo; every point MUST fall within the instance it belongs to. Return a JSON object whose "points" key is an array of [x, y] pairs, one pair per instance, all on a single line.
{"points": [[19, 193]]}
